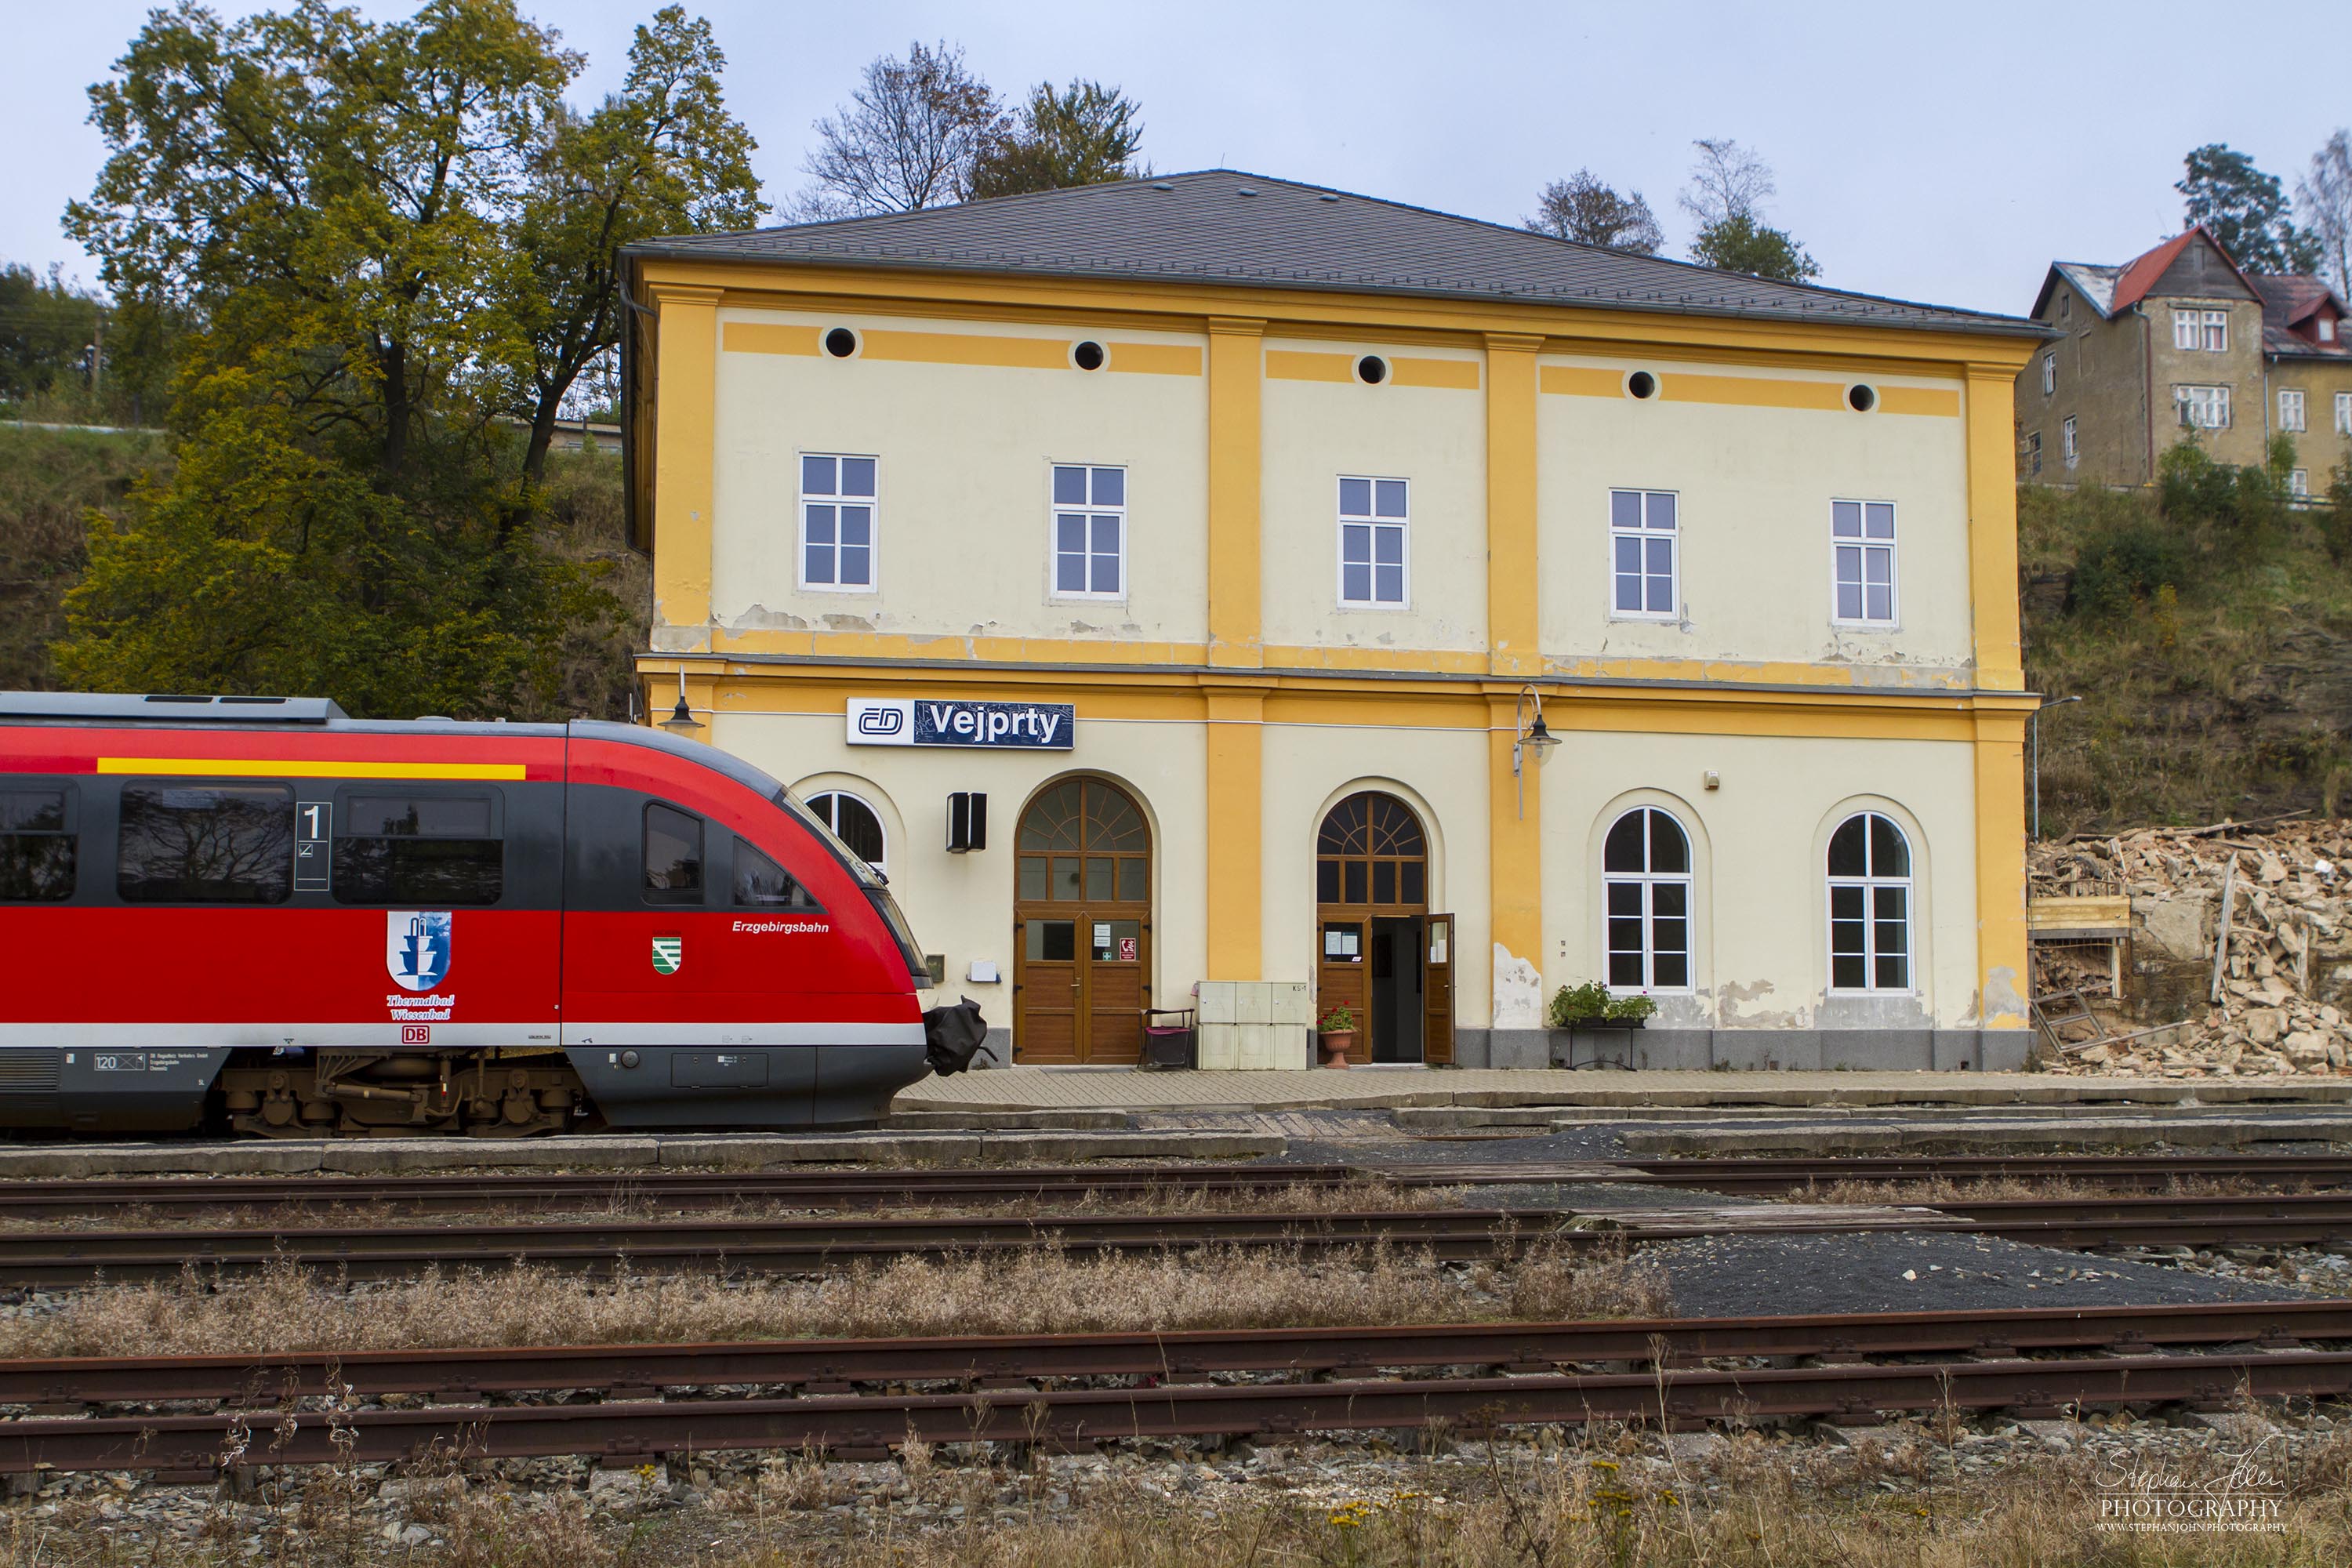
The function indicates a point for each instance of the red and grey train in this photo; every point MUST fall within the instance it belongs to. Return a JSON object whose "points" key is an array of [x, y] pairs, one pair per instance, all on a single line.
{"points": [[261, 915]]}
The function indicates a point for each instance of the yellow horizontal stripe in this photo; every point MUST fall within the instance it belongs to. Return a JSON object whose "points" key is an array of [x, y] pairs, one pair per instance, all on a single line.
{"points": [[968, 348], [767, 338], [1455, 374], [1155, 359], [1750, 391], [1581, 381], [1298, 365], [288, 768], [1920, 400]]}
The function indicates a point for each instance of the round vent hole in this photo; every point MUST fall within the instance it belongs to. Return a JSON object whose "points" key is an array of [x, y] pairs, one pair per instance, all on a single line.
{"points": [[1371, 369], [1088, 355], [841, 343], [1641, 384]]}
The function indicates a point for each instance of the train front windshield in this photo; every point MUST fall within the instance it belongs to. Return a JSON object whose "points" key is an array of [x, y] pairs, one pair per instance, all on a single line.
{"points": [[878, 885]]}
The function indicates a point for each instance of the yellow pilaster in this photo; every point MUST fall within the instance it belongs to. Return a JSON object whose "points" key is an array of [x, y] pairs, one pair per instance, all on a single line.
{"points": [[2000, 869], [1514, 824], [1511, 606], [686, 394], [1236, 810], [1235, 437], [1992, 527]]}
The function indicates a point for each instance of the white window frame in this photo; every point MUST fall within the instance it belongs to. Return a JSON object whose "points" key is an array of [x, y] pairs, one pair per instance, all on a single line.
{"points": [[2216, 339], [830, 814], [2049, 372], [2291, 413], [1870, 884], [1089, 511], [2215, 403], [2071, 441], [834, 498], [1403, 527], [2185, 334], [1863, 542], [2343, 414], [1649, 881], [1643, 536], [2325, 327], [2298, 482], [2033, 453]]}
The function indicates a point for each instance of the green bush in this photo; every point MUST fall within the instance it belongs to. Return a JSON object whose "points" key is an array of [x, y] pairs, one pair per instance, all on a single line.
{"points": [[2122, 562], [2197, 493], [1579, 1004]]}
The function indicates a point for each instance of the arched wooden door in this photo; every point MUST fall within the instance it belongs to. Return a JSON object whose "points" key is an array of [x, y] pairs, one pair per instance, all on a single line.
{"points": [[1379, 950], [1081, 926]]}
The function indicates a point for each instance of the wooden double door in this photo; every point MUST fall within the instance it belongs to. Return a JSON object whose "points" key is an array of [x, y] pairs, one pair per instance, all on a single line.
{"points": [[1380, 952], [1082, 926]]}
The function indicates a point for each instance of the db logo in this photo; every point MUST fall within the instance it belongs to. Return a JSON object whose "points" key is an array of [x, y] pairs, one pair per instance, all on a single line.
{"points": [[417, 1034], [881, 720]]}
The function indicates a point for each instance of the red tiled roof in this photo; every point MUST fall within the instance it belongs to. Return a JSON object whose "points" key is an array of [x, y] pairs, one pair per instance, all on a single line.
{"points": [[2288, 297], [2140, 273]]}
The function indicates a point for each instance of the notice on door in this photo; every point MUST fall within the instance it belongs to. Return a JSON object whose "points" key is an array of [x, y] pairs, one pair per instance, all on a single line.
{"points": [[1126, 949]]}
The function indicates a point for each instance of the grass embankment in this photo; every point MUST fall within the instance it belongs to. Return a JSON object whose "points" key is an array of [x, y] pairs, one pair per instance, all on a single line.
{"points": [[50, 480], [2207, 628]]}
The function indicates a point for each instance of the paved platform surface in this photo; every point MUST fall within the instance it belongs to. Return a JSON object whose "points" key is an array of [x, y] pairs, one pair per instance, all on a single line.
{"points": [[1064, 1089]]}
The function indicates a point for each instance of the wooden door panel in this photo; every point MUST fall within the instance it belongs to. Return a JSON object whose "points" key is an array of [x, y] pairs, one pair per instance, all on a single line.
{"points": [[1046, 1009], [1437, 989]]}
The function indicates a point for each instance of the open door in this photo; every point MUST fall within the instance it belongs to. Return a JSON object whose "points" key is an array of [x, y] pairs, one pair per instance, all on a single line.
{"points": [[1437, 989]]}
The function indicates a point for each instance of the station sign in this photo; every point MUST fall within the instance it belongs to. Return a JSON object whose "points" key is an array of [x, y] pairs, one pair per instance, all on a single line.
{"points": [[923, 721]]}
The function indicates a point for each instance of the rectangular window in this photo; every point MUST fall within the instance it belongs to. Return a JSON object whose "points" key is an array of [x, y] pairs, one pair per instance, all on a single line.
{"points": [[36, 847], [2217, 332], [432, 850], [1089, 532], [2048, 373], [2184, 330], [836, 522], [1862, 545], [2033, 453], [2327, 328], [1373, 523], [2343, 414], [2203, 407], [2073, 447], [1643, 526], [673, 856], [2298, 481], [205, 844], [2290, 410]]}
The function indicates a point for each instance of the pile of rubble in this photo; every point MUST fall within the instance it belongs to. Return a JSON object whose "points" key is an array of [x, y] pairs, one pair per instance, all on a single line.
{"points": [[2242, 943]]}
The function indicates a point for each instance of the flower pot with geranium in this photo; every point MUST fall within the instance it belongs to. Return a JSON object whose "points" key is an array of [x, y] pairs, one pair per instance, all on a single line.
{"points": [[1339, 1032]]}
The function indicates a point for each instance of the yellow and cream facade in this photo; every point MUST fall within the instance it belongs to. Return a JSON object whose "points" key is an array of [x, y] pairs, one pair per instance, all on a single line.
{"points": [[1299, 562]]}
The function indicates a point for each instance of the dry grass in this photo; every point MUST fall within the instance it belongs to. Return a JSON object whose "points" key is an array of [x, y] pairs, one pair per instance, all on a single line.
{"points": [[629, 1204], [2004, 1189], [1041, 1291]]}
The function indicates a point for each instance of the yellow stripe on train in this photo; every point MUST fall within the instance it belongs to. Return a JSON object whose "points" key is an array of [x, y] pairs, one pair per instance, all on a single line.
{"points": [[287, 767]]}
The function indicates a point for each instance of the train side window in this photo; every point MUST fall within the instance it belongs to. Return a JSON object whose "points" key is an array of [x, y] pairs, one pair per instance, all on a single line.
{"points": [[36, 847], [206, 844], [430, 849], [673, 856], [762, 884]]}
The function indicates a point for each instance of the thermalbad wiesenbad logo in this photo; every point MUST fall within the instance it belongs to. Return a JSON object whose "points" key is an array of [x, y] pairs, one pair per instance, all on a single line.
{"points": [[416, 947]]}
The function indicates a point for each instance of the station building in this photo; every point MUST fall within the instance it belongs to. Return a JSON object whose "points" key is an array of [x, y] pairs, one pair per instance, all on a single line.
{"points": [[1163, 581]]}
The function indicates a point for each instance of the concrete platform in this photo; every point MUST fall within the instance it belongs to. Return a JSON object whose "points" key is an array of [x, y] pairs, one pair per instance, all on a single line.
{"points": [[741, 1150], [1990, 1135], [1067, 1089]]}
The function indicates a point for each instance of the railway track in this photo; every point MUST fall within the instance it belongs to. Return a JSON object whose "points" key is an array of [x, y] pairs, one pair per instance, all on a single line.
{"points": [[54, 1257], [45, 1199], [632, 1427]]}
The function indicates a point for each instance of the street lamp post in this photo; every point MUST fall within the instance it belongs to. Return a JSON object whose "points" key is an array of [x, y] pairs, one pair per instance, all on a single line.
{"points": [[2034, 723], [1535, 738], [681, 719]]}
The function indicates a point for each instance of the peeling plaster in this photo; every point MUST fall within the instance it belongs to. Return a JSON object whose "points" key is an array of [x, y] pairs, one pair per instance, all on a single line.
{"points": [[759, 618], [2001, 1000], [1518, 992], [1732, 993], [850, 623]]}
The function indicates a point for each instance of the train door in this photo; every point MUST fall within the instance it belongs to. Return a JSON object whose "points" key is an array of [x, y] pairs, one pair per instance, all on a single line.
{"points": [[1082, 926], [665, 1016]]}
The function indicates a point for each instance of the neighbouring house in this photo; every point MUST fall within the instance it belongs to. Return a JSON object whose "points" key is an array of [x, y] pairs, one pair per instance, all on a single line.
{"points": [[1171, 584], [2182, 343]]}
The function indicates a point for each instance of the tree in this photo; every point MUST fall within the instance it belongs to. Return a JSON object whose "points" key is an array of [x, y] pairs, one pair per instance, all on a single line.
{"points": [[909, 138], [2244, 210], [1726, 194], [2325, 197], [1741, 244], [1585, 209], [47, 329], [660, 156], [389, 237], [1084, 134]]}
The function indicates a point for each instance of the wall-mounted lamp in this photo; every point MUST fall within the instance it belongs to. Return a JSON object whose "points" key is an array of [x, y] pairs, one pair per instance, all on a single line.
{"points": [[681, 719], [1535, 738]]}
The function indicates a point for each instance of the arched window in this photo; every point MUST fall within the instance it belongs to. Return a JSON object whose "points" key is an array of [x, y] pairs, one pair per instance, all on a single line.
{"points": [[855, 824], [1645, 864], [1870, 905], [1371, 851]]}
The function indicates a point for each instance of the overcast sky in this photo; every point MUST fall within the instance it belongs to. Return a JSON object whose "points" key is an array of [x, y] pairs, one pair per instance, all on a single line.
{"points": [[1937, 152]]}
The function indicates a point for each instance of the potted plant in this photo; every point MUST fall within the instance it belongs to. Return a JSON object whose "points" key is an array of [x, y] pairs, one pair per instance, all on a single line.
{"points": [[1339, 1032], [1590, 1006]]}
